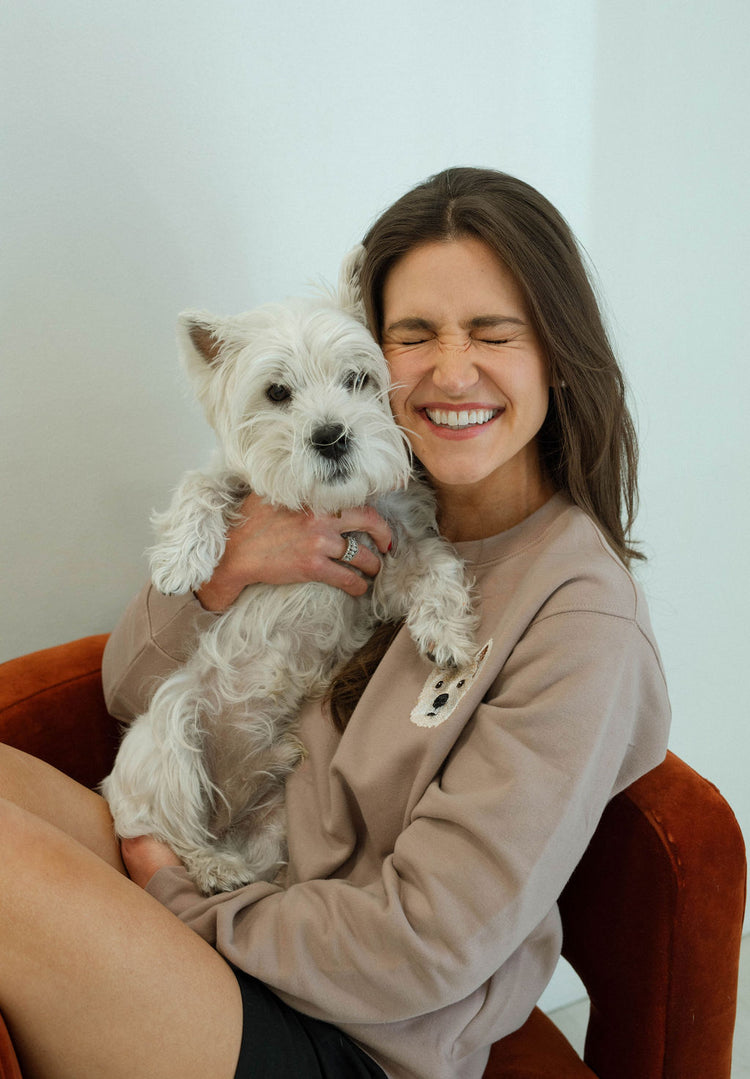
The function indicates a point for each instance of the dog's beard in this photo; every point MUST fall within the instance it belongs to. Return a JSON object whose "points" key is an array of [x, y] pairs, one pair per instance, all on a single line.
{"points": [[335, 472], [275, 454], [307, 481]]}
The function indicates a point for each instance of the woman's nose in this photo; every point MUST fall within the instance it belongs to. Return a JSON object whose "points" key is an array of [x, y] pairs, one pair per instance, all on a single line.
{"points": [[454, 370]]}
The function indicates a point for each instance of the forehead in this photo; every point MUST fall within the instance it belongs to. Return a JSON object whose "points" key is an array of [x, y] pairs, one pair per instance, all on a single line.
{"points": [[453, 278]]}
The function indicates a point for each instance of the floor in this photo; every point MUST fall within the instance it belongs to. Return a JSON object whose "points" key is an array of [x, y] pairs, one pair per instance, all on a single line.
{"points": [[572, 1020]]}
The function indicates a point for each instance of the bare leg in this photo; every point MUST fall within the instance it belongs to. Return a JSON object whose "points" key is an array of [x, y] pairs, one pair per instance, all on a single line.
{"points": [[97, 979], [50, 794]]}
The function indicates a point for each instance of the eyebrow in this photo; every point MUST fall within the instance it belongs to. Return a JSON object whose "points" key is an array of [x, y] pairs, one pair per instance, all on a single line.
{"points": [[480, 322]]}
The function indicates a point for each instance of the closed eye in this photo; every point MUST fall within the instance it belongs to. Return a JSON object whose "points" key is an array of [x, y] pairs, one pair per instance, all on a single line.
{"points": [[478, 340]]}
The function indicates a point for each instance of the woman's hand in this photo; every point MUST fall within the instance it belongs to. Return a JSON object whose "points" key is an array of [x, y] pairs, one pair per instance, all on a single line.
{"points": [[274, 545], [144, 855]]}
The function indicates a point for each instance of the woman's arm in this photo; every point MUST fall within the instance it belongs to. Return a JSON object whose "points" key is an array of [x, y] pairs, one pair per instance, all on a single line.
{"points": [[579, 712], [155, 635], [269, 545], [274, 545]]}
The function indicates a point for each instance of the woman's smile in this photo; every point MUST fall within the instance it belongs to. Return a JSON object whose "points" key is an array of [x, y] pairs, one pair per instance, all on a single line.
{"points": [[470, 379], [461, 421]]}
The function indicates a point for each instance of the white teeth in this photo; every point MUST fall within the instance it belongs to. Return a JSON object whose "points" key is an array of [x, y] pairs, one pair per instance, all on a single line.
{"points": [[461, 419]]}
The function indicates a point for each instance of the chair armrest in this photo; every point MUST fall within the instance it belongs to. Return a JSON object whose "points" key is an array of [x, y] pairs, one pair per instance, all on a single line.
{"points": [[538, 1050], [51, 705], [9, 1066], [652, 923]]}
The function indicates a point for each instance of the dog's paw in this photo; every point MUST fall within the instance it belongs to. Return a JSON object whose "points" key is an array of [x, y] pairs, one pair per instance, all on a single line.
{"points": [[450, 653], [214, 872], [445, 636], [190, 541], [177, 577]]}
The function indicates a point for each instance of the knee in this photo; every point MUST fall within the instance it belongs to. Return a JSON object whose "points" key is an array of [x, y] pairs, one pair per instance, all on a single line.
{"points": [[22, 840], [13, 826]]}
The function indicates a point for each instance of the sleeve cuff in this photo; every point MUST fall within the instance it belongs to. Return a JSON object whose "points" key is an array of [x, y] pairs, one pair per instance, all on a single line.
{"points": [[174, 889]]}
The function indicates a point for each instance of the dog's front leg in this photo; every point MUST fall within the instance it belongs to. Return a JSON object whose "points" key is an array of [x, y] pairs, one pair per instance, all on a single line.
{"points": [[425, 581], [191, 534]]}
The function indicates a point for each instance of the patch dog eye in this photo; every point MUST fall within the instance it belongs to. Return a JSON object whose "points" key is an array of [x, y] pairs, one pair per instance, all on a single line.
{"points": [[277, 393], [356, 380]]}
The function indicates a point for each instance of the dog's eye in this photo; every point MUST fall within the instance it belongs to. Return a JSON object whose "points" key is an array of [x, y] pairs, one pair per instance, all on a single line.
{"points": [[278, 393], [356, 380]]}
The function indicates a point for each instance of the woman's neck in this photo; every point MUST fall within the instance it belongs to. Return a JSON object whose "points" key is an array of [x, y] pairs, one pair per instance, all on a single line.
{"points": [[467, 514]]}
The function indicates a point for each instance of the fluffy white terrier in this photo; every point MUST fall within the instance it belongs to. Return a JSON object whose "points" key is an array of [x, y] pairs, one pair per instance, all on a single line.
{"points": [[298, 396]]}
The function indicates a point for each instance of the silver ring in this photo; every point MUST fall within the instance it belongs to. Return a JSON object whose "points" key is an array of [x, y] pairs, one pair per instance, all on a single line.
{"points": [[352, 547]]}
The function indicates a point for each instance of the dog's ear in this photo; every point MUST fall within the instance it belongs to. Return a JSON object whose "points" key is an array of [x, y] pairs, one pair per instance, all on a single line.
{"points": [[349, 294], [199, 338], [204, 346]]}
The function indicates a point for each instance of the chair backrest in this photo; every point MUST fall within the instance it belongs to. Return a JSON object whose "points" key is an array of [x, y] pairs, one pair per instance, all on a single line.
{"points": [[52, 706], [652, 923]]}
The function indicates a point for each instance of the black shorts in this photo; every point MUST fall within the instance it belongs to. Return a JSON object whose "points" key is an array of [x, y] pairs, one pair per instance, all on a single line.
{"points": [[281, 1043]]}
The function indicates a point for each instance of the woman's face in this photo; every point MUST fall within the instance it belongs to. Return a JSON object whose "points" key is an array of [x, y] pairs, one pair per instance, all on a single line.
{"points": [[470, 380]]}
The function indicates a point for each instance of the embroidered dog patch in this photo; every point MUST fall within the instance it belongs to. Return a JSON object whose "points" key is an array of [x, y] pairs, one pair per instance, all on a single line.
{"points": [[444, 690]]}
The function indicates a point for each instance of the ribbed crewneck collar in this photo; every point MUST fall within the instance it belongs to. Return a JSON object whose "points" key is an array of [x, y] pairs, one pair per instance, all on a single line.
{"points": [[495, 548]]}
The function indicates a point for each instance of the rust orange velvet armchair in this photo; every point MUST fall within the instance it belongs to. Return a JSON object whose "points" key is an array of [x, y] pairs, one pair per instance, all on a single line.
{"points": [[652, 916]]}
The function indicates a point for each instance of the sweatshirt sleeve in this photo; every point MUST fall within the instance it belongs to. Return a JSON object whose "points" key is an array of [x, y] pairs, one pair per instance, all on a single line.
{"points": [[155, 635], [577, 713]]}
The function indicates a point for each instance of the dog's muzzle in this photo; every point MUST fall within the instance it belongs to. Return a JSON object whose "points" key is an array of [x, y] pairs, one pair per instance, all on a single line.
{"points": [[330, 441]]}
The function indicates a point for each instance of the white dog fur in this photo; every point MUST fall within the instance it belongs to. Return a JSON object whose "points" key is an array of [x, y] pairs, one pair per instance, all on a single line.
{"points": [[298, 396]]}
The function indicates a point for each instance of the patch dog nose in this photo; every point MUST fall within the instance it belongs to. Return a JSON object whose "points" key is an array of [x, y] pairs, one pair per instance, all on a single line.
{"points": [[440, 700], [330, 440]]}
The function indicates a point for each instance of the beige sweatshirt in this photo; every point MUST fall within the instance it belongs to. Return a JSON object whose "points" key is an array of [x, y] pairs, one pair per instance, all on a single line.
{"points": [[430, 842]]}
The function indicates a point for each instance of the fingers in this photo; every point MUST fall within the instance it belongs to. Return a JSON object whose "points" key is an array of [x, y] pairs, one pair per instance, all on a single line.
{"points": [[358, 556], [321, 559], [348, 580], [274, 545], [366, 519], [144, 855]]}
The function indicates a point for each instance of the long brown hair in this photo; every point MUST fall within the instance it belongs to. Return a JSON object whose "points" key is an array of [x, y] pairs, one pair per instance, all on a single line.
{"points": [[587, 443]]}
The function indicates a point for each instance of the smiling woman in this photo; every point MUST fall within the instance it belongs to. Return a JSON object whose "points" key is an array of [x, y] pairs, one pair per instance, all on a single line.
{"points": [[470, 383], [515, 247], [438, 813]]}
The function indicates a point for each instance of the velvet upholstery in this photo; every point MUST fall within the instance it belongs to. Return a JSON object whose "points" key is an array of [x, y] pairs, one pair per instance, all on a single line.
{"points": [[652, 916]]}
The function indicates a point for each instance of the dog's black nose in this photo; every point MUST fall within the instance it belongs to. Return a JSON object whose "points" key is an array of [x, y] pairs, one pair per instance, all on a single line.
{"points": [[440, 700], [330, 440]]}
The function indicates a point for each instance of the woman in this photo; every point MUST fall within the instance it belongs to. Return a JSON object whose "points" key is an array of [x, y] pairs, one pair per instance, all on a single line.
{"points": [[435, 821]]}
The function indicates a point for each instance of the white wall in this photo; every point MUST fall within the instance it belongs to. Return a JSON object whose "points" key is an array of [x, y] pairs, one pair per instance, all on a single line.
{"points": [[162, 156], [181, 154], [671, 238]]}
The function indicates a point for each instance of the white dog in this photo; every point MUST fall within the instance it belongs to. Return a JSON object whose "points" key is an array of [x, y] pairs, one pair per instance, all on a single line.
{"points": [[298, 396]]}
